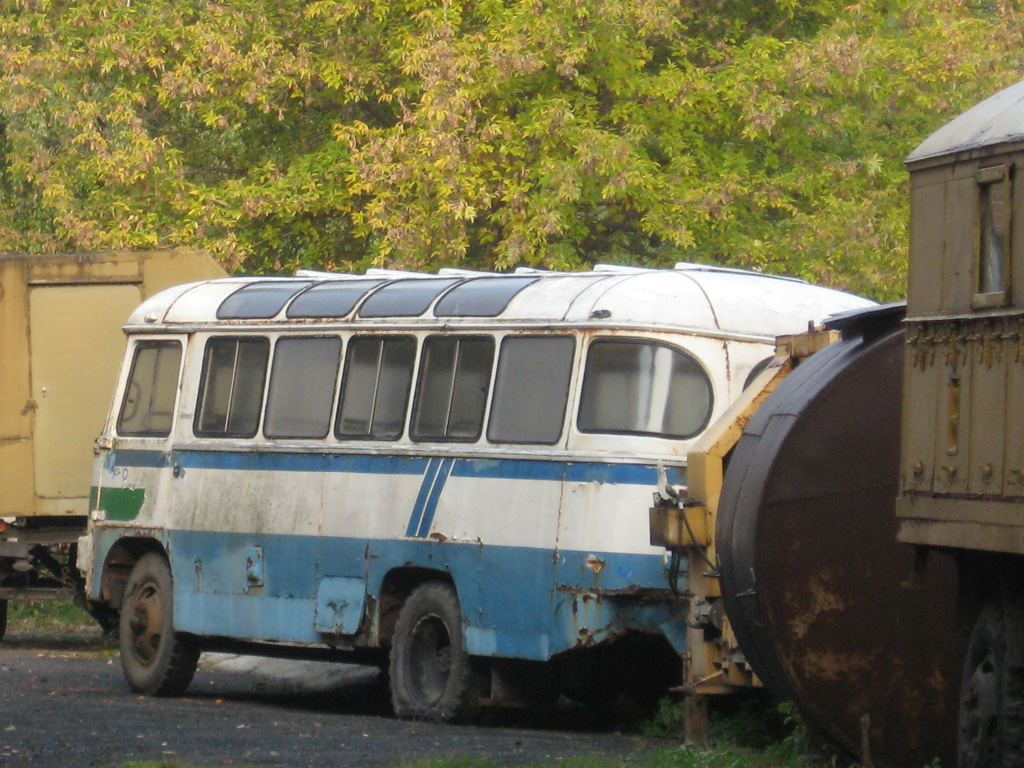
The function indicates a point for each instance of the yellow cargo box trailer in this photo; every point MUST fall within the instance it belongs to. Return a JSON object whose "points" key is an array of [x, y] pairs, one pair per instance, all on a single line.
{"points": [[61, 346]]}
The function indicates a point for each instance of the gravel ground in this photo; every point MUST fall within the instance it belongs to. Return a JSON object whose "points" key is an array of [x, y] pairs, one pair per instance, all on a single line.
{"points": [[64, 704]]}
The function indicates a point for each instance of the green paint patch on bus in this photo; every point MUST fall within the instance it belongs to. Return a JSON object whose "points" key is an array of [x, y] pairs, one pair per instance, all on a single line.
{"points": [[117, 503]]}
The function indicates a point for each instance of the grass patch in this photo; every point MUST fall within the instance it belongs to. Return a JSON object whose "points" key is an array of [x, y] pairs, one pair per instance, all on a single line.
{"points": [[48, 616], [751, 730], [685, 756], [744, 732]]}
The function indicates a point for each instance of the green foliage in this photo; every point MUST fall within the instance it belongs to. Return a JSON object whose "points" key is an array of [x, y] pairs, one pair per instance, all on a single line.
{"points": [[487, 133]]}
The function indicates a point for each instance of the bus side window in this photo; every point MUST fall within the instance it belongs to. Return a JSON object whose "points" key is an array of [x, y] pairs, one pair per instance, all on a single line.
{"points": [[302, 387], [643, 388], [531, 389], [148, 406], [756, 371], [375, 388], [231, 392], [452, 390]]}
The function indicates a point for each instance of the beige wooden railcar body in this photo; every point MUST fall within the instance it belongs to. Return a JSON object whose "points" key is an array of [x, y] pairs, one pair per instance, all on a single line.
{"points": [[962, 452], [60, 349]]}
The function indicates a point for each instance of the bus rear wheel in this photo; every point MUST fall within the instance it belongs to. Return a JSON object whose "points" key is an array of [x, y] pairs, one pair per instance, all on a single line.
{"points": [[991, 696], [431, 673], [156, 661]]}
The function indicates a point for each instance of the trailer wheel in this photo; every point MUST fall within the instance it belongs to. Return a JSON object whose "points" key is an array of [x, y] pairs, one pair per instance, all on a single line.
{"points": [[991, 697], [156, 661], [3, 618], [432, 675]]}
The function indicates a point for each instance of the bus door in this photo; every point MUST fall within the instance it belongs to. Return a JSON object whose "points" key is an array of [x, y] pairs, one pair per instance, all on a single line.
{"points": [[134, 467]]}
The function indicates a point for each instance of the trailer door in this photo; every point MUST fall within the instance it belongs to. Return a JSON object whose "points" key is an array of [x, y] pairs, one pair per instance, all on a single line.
{"points": [[77, 346]]}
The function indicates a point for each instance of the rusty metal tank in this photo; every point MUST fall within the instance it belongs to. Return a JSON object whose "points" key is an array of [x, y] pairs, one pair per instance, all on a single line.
{"points": [[811, 569]]}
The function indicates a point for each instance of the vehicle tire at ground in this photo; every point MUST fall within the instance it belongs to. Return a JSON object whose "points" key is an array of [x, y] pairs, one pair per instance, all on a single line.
{"points": [[432, 675], [991, 696], [155, 659], [3, 618]]}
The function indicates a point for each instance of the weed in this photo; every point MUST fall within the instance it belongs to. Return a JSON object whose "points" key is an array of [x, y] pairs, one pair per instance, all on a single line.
{"points": [[752, 721], [668, 722]]}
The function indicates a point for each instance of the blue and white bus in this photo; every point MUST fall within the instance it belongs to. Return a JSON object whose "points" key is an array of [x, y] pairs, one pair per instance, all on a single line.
{"points": [[446, 474]]}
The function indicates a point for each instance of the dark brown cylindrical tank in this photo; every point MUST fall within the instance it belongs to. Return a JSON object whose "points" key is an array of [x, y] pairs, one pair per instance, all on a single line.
{"points": [[812, 573]]}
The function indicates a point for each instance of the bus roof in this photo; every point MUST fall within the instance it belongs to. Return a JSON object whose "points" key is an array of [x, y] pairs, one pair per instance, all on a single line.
{"points": [[996, 121], [690, 297]]}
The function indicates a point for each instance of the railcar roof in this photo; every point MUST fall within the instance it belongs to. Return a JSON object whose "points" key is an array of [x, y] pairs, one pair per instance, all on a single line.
{"points": [[995, 121], [693, 297]]}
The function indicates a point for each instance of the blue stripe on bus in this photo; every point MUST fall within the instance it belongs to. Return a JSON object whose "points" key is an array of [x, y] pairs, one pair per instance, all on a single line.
{"points": [[421, 498], [444, 470], [371, 464], [508, 469], [136, 458], [426, 501]]}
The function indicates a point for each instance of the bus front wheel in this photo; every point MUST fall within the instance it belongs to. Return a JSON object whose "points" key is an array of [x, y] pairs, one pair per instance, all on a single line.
{"points": [[156, 661], [431, 673]]}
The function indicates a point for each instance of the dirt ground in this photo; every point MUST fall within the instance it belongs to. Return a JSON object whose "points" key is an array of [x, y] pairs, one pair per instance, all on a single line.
{"points": [[64, 704]]}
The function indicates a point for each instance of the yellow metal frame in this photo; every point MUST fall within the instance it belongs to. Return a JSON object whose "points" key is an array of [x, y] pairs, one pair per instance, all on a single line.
{"points": [[716, 664]]}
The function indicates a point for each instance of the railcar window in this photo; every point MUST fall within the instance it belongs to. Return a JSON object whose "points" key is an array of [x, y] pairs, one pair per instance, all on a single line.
{"points": [[231, 391], [148, 406], [375, 389], [302, 381], [531, 389], [637, 387], [452, 390], [994, 224]]}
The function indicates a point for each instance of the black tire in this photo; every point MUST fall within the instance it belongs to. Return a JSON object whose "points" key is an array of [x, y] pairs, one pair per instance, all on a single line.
{"points": [[3, 618], [991, 697], [156, 660], [431, 674]]}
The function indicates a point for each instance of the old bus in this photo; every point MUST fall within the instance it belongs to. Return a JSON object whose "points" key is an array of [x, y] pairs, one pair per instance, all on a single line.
{"points": [[447, 474]]}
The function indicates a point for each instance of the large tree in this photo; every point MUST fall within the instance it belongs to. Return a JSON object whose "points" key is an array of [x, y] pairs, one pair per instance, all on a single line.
{"points": [[486, 133]]}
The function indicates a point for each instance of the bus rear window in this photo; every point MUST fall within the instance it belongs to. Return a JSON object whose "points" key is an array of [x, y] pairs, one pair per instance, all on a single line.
{"points": [[643, 388], [231, 392], [148, 406], [452, 391]]}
